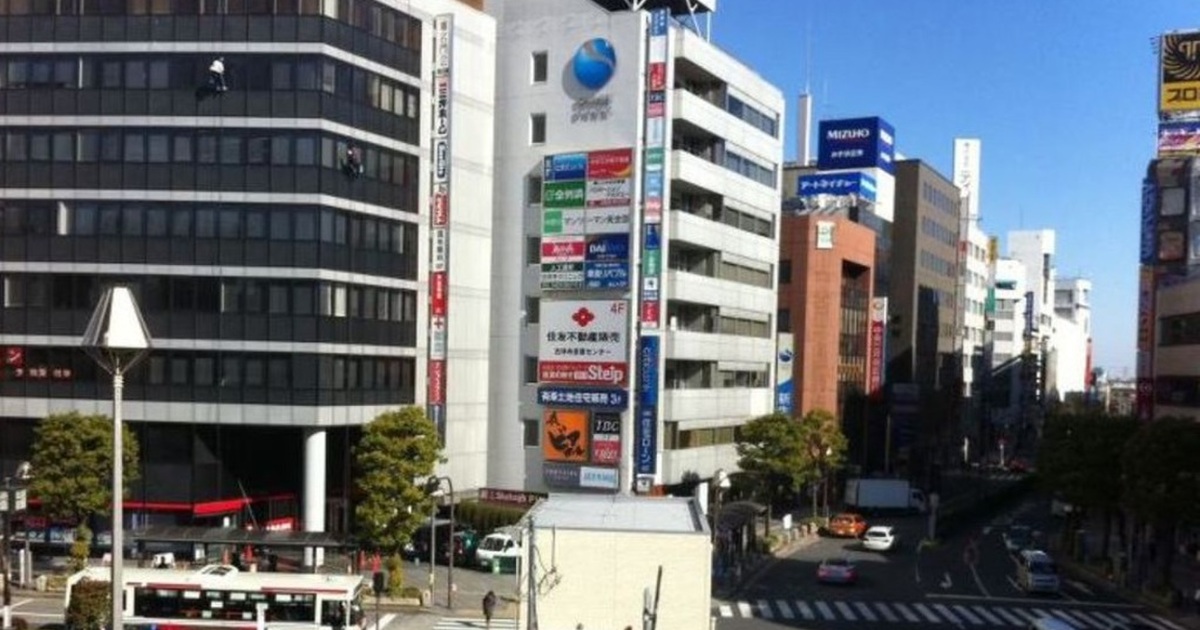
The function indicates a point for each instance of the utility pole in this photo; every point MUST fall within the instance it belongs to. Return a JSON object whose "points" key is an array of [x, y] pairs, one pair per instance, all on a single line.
{"points": [[531, 586]]}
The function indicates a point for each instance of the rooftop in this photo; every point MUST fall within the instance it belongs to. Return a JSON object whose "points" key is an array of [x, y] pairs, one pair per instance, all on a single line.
{"points": [[619, 513], [677, 7]]}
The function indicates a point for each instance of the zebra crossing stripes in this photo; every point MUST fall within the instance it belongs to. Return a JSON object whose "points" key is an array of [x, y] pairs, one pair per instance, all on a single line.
{"points": [[464, 623], [981, 616]]}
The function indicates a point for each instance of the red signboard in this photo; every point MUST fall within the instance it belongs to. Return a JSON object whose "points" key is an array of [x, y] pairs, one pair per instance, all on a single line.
{"points": [[610, 164], [437, 382], [650, 313], [14, 356], [583, 372], [875, 362], [564, 249], [658, 76], [437, 293], [441, 205], [606, 451]]}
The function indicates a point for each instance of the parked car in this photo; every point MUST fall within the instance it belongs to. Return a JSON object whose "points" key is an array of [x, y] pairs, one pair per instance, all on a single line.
{"points": [[847, 525], [837, 571], [466, 541], [1036, 572], [1017, 538], [879, 538], [494, 548]]}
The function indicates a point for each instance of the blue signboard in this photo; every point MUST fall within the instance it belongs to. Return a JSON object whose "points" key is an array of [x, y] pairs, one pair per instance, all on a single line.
{"points": [[654, 185], [645, 435], [606, 275], [856, 143], [653, 236], [785, 393], [658, 22], [564, 167], [837, 184], [904, 409], [1031, 323], [592, 397], [607, 247], [1149, 252]]}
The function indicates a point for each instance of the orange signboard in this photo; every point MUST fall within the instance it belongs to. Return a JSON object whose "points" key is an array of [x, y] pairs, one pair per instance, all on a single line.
{"points": [[565, 435]]}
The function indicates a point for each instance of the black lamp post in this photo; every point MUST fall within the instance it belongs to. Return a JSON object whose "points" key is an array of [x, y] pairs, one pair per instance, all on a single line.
{"points": [[432, 486]]}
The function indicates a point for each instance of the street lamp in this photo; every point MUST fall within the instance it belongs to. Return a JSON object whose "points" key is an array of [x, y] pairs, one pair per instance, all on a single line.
{"points": [[13, 500], [720, 482], [432, 486], [117, 338]]}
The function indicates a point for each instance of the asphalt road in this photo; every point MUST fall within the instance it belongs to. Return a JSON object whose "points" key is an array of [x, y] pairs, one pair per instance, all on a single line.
{"points": [[966, 581]]}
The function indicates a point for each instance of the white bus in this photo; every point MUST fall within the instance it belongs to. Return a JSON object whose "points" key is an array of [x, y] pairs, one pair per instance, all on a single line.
{"points": [[220, 596]]}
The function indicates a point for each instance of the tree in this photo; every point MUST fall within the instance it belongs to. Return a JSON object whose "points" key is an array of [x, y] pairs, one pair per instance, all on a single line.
{"points": [[1162, 482], [89, 609], [397, 449], [770, 449], [72, 454], [824, 447]]}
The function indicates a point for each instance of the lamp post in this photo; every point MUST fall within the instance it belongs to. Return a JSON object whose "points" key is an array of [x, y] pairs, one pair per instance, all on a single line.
{"points": [[117, 338], [13, 500], [432, 486], [720, 482]]}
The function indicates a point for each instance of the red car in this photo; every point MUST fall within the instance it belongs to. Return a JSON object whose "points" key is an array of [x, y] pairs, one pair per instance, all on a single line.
{"points": [[837, 571], [848, 525]]}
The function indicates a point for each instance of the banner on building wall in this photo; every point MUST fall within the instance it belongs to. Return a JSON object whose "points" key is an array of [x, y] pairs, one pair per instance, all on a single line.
{"points": [[439, 223], [654, 194], [645, 436], [583, 342], [876, 356], [785, 374], [1179, 73]]}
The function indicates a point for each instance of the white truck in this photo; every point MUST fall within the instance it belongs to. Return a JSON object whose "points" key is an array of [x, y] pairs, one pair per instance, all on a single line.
{"points": [[881, 495], [498, 550]]}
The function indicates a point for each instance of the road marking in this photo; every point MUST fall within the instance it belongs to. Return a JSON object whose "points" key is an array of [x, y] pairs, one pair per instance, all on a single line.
{"points": [[1013, 582], [926, 613], [825, 611], [1029, 600], [1081, 587], [1122, 617], [726, 610], [21, 603], [978, 581], [1168, 623], [983, 612], [785, 611], [1078, 616], [458, 623], [764, 609], [946, 581], [907, 612], [384, 621], [1042, 613], [744, 609], [1013, 620], [865, 611], [1106, 619], [805, 611], [968, 615], [844, 608], [887, 612], [1154, 621], [942, 608], [58, 616], [1021, 612]]}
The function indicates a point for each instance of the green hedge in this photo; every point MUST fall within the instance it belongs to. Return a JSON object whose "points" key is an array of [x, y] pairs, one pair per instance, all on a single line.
{"points": [[485, 518]]}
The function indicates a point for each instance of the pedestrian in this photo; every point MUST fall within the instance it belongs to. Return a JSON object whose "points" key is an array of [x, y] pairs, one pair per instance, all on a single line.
{"points": [[489, 608], [216, 75]]}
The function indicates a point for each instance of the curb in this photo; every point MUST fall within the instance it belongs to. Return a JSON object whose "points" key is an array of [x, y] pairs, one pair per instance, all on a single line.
{"points": [[765, 565]]}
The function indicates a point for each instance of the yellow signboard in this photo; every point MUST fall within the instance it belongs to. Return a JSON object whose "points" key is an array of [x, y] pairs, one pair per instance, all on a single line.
{"points": [[565, 436], [1179, 84]]}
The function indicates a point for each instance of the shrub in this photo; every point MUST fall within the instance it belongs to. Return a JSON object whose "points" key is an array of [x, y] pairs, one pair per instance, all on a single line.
{"points": [[395, 569], [20, 623], [81, 548], [89, 606], [411, 592]]}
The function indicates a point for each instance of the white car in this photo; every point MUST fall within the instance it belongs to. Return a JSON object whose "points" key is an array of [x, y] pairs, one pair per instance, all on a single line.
{"points": [[879, 538]]}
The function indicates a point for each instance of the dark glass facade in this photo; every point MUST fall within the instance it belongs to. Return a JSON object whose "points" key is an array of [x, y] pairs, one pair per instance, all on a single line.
{"points": [[271, 277]]}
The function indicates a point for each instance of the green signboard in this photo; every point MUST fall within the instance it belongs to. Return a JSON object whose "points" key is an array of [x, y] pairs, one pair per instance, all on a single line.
{"points": [[564, 194]]}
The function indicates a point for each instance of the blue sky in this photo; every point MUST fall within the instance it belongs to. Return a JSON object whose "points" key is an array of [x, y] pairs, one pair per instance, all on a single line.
{"points": [[1062, 94]]}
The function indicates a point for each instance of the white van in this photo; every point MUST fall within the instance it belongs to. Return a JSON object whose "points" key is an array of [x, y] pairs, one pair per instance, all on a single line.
{"points": [[1036, 572], [494, 546]]}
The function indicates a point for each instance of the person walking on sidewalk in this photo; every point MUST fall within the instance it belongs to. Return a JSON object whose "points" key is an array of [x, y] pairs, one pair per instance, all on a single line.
{"points": [[489, 608]]}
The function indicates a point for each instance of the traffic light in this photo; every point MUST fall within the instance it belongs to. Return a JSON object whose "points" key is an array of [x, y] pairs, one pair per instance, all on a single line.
{"points": [[379, 581]]}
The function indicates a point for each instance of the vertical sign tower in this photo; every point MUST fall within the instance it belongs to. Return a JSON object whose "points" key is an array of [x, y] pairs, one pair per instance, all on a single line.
{"points": [[649, 312], [439, 224]]}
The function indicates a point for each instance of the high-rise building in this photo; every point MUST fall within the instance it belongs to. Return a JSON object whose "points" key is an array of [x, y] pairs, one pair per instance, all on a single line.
{"points": [[1071, 342], [272, 222], [973, 281], [634, 260]]}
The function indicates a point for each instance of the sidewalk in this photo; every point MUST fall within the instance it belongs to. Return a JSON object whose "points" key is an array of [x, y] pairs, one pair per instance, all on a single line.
{"points": [[760, 564]]}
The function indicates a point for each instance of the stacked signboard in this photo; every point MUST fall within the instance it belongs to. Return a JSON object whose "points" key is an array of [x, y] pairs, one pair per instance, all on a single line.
{"points": [[583, 369]]}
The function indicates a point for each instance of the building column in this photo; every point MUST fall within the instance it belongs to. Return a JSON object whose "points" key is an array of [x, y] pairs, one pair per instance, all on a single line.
{"points": [[314, 492]]}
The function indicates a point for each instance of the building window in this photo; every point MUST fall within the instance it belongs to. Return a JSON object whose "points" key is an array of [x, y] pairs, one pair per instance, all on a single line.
{"points": [[533, 189], [537, 129], [530, 370], [532, 306], [533, 250], [785, 271], [540, 66], [783, 320], [533, 433]]}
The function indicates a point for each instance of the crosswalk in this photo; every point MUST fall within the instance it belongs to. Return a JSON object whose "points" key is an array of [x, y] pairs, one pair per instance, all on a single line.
{"points": [[465, 623], [920, 614]]}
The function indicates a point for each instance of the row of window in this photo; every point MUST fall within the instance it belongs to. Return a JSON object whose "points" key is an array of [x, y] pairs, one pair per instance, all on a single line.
{"points": [[1177, 391], [764, 122], [749, 168], [185, 72], [939, 232], [174, 294], [373, 17], [940, 200], [1179, 330], [233, 147], [225, 221], [225, 370], [937, 264]]}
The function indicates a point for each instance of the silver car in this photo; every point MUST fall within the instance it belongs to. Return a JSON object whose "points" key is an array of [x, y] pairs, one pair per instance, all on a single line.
{"points": [[879, 538]]}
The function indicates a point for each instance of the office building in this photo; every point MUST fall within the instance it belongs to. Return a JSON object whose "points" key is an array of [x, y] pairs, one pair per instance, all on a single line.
{"points": [[1071, 342], [274, 234], [635, 246]]}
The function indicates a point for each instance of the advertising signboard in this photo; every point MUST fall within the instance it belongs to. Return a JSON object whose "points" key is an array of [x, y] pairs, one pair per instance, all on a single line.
{"points": [[1179, 80], [565, 167], [966, 172], [654, 191], [439, 220], [593, 397], [1178, 138], [1031, 323], [905, 409], [602, 193], [560, 475], [610, 164], [645, 435], [564, 194], [876, 357], [562, 276], [583, 342], [607, 247], [598, 478], [856, 143], [614, 220], [565, 435], [785, 386], [564, 249], [825, 234], [837, 185], [606, 275], [606, 438]]}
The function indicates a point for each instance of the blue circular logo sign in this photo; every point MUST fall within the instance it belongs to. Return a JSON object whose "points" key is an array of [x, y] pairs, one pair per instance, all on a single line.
{"points": [[786, 356], [594, 63]]}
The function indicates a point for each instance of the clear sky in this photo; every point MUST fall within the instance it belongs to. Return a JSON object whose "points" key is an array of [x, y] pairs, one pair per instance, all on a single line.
{"points": [[1061, 93]]}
